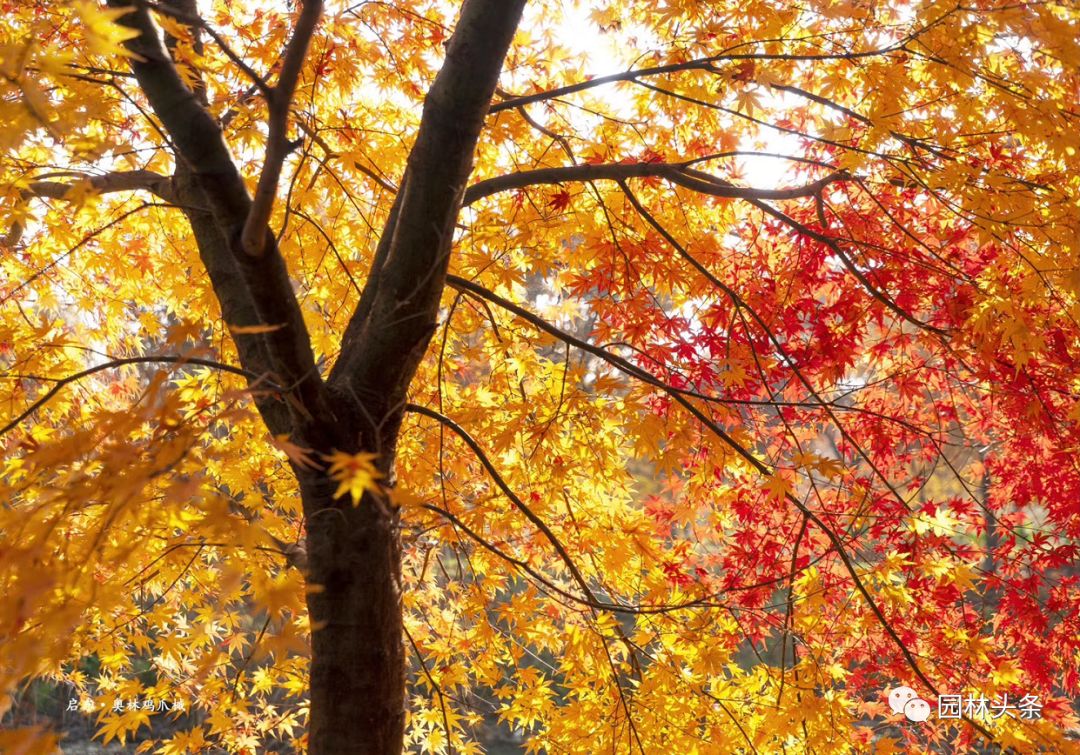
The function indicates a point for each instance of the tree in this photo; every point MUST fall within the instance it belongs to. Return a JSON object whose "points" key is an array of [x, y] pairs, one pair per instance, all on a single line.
{"points": [[370, 366]]}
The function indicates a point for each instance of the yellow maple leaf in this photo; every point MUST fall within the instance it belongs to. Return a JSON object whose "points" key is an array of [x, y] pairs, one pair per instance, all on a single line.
{"points": [[103, 35], [297, 454], [887, 746], [748, 101], [963, 576], [354, 474], [778, 487], [1008, 672]]}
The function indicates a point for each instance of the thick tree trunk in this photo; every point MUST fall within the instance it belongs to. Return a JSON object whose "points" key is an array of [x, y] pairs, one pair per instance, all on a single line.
{"points": [[357, 664], [357, 654], [353, 552]]}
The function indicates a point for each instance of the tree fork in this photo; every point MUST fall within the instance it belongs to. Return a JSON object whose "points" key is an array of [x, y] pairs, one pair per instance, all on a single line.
{"points": [[358, 691], [358, 653]]}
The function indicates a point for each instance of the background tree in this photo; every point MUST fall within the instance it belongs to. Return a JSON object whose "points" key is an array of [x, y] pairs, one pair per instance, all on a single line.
{"points": [[372, 367]]}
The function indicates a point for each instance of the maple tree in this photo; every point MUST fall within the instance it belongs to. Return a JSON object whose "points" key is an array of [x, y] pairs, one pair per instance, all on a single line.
{"points": [[373, 368]]}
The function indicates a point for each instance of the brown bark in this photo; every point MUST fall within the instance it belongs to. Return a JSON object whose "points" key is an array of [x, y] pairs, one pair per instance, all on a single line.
{"points": [[358, 691], [357, 667], [357, 655]]}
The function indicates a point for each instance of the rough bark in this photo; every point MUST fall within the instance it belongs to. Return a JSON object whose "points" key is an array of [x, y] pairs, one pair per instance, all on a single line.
{"points": [[357, 657], [358, 692], [253, 291], [357, 668]]}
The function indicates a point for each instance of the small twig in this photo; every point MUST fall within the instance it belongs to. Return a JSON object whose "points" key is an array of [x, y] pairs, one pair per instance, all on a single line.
{"points": [[435, 685], [254, 236], [198, 22], [112, 364]]}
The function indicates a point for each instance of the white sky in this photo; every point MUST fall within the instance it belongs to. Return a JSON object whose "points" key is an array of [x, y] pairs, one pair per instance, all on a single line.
{"points": [[581, 35]]}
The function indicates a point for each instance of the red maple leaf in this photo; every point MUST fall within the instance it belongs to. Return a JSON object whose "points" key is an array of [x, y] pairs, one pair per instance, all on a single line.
{"points": [[560, 201]]}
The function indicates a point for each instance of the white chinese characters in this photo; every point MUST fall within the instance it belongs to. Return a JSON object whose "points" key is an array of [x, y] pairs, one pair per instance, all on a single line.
{"points": [[978, 706], [120, 705], [907, 701]]}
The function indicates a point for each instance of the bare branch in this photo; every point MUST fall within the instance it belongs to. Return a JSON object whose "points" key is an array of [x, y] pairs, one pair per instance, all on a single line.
{"points": [[128, 180], [677, 173], [125, 180], [112, 364], [253, 239]]}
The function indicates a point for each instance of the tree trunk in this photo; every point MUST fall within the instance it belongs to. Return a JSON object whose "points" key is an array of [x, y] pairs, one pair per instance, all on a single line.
{"points": [[353, 552], [357, 653]]}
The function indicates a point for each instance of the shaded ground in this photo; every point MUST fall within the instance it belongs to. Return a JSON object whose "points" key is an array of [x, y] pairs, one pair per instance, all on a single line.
{"points": [[93, 748]]}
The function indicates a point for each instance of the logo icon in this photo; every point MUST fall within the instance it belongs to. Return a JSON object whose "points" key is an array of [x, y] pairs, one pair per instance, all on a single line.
{"points": [[905, 700]]}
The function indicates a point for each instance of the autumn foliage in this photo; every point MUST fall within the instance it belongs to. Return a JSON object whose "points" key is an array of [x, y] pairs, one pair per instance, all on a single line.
{"points": [[751, 391]]}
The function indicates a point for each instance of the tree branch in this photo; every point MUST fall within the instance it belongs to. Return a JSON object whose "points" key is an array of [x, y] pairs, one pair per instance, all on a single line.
{"points": [[743, 452], [741, 303], [677, 173], [698, 64], [109, 183], [124, 180], [59, 383], [645, 609], [708, 64], [252, 292], [194, 133], [395, 318], [851, 267], [520, 505], [193, 19], [279, 99], [313, 134]]}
